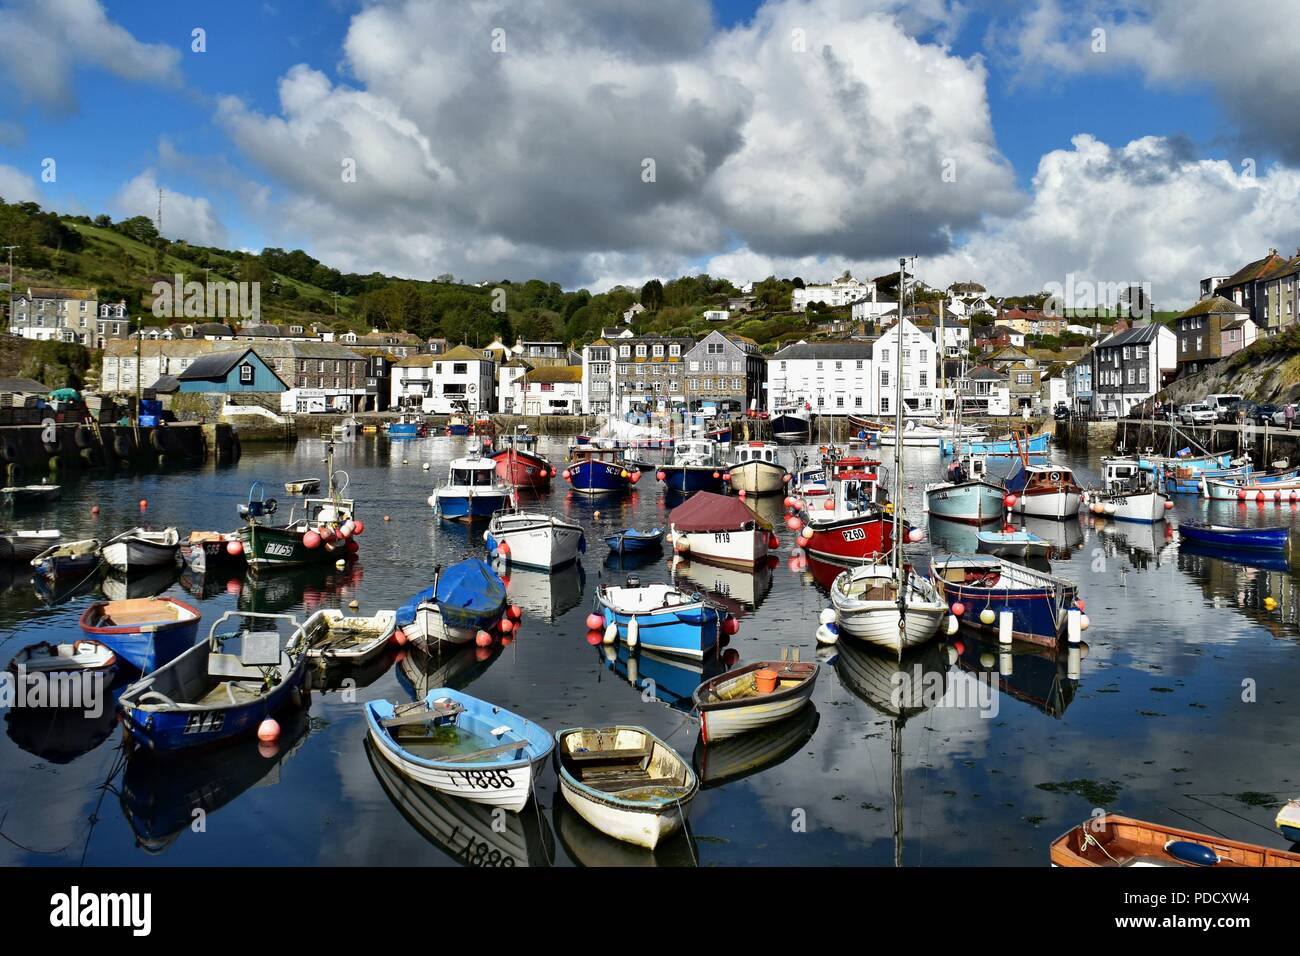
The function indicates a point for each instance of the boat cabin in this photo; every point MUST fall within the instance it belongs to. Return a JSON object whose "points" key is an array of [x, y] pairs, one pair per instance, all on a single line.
{"points": [[1124, 474], [596, 453], [324, 510], [472, 472], [968, 468], [695, 451], [1042, 479], [756, 451]]}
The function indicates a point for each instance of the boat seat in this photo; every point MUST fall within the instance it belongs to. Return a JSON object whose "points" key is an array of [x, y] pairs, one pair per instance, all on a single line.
{"points": [[230, 667], [611, 756], [633, 780]]}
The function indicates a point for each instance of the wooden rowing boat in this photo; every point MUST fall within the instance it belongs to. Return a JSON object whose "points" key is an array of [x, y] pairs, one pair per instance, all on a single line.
{"points": [[1122, 841], [734, 703]]}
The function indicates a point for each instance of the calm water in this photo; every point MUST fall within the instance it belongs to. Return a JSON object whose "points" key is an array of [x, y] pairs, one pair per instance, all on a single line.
{"points": [[1154, 724]]}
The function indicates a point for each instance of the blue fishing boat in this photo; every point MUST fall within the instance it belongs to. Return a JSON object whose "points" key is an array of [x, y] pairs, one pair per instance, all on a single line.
{"points": [[211, 694], [471, 492], [462, 746], [695, 467], [145, 632], [596, 471], [1038, 601], [408, 427], [1236, 539], [1187, 481], [463, 599], [1186, 460], [660, 617], [631, 540], [1002, 447]]}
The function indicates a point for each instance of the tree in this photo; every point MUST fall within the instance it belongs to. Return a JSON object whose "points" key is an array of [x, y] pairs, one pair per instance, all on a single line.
{"points": [[140, 228], [652, 295]]}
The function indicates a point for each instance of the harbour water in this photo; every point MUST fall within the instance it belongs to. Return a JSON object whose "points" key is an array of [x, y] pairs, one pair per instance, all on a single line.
{"points": [[1183, 707]]}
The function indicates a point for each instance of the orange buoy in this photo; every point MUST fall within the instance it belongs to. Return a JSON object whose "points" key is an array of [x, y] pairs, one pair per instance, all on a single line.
{"points": [[144, 503], [483, 639], [268, 730], [94, 509]]}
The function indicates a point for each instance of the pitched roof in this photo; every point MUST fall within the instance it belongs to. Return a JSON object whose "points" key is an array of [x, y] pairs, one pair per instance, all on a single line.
{"points": [[176, 348], [463, 353], [1252, 270], [214, 366], [26, 386], [45, 292], [706, 511], [1139, 335], [1214, 305], [825, 350], [984, 372], [296, 350], [554, 374], [1235, 324], [167, 384]]}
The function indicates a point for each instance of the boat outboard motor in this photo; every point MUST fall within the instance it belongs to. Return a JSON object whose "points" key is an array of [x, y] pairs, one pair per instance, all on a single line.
{"points": [[633, 581]]}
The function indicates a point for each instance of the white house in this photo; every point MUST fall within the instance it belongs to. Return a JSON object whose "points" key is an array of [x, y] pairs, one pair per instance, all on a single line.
{"points": [[1055, 391], [509, 392], [635, 310], [1131, 365], [551, 390], [716, 315], [986, 392], [870, 308], [834, 378], [920, 370], [459, 379], [597, 377], [956, 337], [842, 291]]}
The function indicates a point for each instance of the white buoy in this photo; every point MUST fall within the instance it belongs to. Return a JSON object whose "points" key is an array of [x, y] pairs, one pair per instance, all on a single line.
{"points": [[1073, 659], [426, 466], [827, 616], [828, 634], [1005, 626], [1074, 625], [953, 624], [611, 632], [633, 631]]}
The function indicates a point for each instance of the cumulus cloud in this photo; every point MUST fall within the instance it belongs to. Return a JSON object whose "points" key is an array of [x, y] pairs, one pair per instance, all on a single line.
{"points": [[516, 138], [16, 186], [184, 217], [42, 41], [1177, 44]]}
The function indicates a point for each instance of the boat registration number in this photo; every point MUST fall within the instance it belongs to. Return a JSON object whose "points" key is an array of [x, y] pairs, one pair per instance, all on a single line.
{"points": [[722, 537], [483, 779], [853, 534], [280, 550], [205, 723]]}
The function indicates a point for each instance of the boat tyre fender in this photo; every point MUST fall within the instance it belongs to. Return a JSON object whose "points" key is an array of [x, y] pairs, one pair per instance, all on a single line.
{"points": [[52, 447], [122, 445], [156, 439], [10, 450], [83, 437], [91, 456], [162, 461]]}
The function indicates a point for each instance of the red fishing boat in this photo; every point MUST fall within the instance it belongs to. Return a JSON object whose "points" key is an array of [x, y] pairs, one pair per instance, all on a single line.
{"points": [[522, 468], [851, 524]]}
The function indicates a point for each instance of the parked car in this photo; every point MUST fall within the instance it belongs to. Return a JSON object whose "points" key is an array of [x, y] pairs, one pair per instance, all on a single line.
{"points": [[1197, 413], [1279, 416], [1061, 412], [1263, 414], [1224, 405]]}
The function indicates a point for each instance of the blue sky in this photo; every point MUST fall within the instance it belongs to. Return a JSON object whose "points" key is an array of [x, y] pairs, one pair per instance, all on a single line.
{"points": [[1040, 92]]}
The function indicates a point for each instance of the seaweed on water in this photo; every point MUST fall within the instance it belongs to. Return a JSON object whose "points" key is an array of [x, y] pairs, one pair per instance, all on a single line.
{"points": [[1096, 792], [1253, 798]]}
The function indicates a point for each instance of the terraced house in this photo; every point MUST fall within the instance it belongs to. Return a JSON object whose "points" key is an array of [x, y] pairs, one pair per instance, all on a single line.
{"points": [[1200, 329], [1278, 295], [1246, 288], [648, 373], [725, 371], [67, 315], [1130, 366]]}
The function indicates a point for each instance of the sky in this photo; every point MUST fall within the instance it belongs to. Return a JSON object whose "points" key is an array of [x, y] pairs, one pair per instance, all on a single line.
{"points": [[1017, 144]]}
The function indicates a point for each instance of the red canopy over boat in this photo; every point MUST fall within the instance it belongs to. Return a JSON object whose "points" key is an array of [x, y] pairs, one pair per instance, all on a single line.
{"points": [[705, 511]]}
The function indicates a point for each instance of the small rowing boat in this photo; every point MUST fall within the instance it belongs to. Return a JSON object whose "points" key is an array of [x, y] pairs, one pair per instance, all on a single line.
{"points": [[463, 599], [302, 486], [79, 657], [145, 632], [1236, 539], [660, 617], [334, 637], [632, 541], [75, 557], [1122, 841], [30, 496], [752, 697], [24, 545], [625, 782], [1013, 544], [461, 746], [534, 539], [138, 549]]}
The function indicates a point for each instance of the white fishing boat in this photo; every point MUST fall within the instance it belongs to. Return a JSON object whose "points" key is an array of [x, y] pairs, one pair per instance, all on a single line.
{"points": [[625, 782], [791, 422], [752, 697], [138, 549], [462, 746], [968, 495], [720, 529], [757, 469], [1044, 491], [534, 540], [332, 636], [1127, 494]]}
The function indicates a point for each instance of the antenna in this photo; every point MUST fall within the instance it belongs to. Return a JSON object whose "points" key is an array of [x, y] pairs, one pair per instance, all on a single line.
{"points": [[158, 223]]}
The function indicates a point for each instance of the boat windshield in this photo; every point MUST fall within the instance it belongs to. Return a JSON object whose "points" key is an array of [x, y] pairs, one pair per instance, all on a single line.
{"points": [[474, 477]]}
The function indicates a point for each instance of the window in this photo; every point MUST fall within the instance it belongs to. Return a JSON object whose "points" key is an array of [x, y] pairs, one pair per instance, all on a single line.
{"points": [[1024, 378], [884, 404], [819, 366], [839, 401], [695, 366], [624, 351], [884, 378], [839, 366], [459, 368], [736, 384], [1199, 340], [884, 355], [246, 374], [640, 350], [858, 365], [674, 350], [857, 401], [923, 380], [714, 348], [659, 351], [708, 366]]}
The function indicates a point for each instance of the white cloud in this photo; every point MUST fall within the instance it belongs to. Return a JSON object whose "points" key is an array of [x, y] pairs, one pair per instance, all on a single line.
{"points": [[16, 186], [42, 41], [184, 217]]}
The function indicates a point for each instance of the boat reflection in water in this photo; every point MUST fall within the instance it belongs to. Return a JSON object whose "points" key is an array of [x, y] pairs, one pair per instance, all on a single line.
{"points": [[547, 594], [734, 758], [159, 795], [1045, 678], [472, 834], [62, 734], [898, 689], [955, 538], [1147, 546], [1246, 581], [453, 666], [305, 588], [59, 589], [666, 678], [327, 676], [587, 846], [142, 584], [739, 590], [1065, 537], [209, 584]]}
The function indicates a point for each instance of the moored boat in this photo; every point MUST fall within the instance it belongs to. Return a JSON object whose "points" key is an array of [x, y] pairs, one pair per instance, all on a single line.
{"points": [[145, 632], [752, 697], [208, 695], [1006, 447], [302, 486], [22, 546], [1113, 840], [207, 551], [1250, 488], [1038, 601], [80, 657], [848, 526], [1044, 491], [1236, 539], [1127, 493], [1014, 544], [30, 496], [140, 549], [522, 468], [625, 782], [463, 599], [695, 467], [462, 746], [791, 423], [470, 493], [635, 541], [661, 617], [332, 636], [74, 557], [534, 540], [867, 606], [968, 495], [757, 469], [594, 470], [721, 529]]}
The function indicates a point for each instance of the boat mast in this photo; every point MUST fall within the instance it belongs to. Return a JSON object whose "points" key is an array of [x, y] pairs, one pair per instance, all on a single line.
{"points": [[898, 450], [942, 352]]}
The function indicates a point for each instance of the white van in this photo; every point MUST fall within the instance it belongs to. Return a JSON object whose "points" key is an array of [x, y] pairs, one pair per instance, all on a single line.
{"points": [[1221, 402]]}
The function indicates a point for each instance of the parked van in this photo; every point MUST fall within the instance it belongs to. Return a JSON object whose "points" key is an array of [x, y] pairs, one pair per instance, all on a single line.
{"points": [[1224, 405]]}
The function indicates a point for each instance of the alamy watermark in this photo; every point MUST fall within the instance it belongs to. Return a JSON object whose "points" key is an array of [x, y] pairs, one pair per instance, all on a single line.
{"points": [[206, 300], [1082, 298], [921, 689], [70, 690]]}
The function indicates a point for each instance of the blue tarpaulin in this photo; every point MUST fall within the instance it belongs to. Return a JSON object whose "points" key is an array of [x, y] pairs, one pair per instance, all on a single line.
{"points": [[469, 595]]}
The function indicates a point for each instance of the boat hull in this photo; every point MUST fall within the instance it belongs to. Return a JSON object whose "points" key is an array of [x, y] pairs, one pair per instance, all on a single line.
{"points": [[1048, 504], [146, 646], [135, 555], [688, 479], [1145, 508], [1239, 539], [692, 631], [543, 544], [523, 469], [1038, 612], [971, 502], [790, 429], [757, 477], [851, 539], [1035, 445], [598, 477], [742, 549], [467, 504], [267, 547], [719, 722]]}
